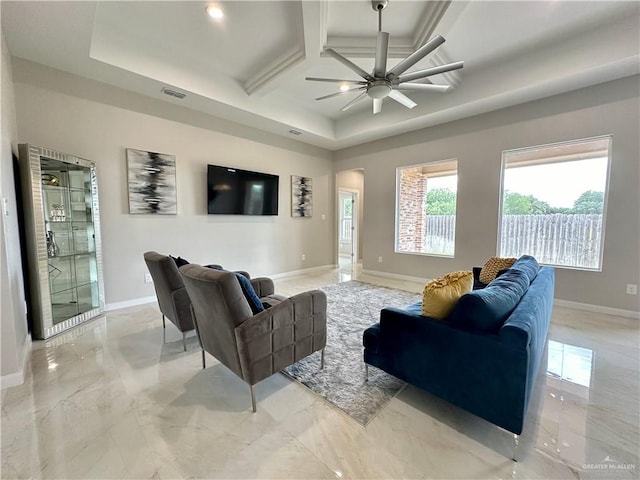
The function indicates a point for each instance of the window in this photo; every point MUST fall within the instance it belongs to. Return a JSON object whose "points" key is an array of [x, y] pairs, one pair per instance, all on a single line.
{"points": [[553, 202], [426, 208], [346, 217]]}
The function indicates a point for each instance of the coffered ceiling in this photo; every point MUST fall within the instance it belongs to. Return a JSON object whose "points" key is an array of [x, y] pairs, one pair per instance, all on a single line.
{"points": [[249, 66]]}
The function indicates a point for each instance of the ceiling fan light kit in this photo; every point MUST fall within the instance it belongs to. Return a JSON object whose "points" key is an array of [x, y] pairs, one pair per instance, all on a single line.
{"points": [[381, 83]]}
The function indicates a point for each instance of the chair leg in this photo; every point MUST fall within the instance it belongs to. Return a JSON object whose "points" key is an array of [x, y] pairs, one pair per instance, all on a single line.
{"points": [[204, 365], [366, 372], [164, 331], [322, 359], [184, 341], [253, 398], [516, 442]]}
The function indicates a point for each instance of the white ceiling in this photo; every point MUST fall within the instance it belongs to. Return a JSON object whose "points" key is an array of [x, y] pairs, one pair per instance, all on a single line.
{"points": [[250, 66]]}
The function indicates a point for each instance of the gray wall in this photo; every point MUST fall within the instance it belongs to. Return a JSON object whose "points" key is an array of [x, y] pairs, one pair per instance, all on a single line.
{"points": [[87, 119], [13, 320], [477, 143]]}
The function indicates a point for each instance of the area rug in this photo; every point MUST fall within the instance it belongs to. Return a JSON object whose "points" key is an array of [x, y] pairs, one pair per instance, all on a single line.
{"points": [[352, 307]]}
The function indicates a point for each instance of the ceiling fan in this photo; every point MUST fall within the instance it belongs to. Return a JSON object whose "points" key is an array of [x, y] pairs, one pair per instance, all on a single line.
{"points": [[382, 83]]}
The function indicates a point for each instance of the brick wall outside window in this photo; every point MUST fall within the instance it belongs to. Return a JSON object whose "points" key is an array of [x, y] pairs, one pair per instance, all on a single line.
{"points": [[411, 210], [418, 232]]}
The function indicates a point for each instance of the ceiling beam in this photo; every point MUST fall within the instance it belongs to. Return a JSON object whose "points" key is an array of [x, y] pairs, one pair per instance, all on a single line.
{"points": [[296, 61]]}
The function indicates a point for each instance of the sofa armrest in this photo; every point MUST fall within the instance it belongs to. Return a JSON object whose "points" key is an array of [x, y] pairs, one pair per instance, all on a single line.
{"points": [[281, 335], [479, 372], [263, 286], [435, 348]]}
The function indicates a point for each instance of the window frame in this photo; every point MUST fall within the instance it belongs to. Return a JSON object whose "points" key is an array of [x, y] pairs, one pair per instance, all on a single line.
{"points": [[608, 137], [397, 208]]}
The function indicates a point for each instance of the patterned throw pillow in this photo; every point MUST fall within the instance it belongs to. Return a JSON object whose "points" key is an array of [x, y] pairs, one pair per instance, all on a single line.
{"points": [[441, 295], [491, 268]]}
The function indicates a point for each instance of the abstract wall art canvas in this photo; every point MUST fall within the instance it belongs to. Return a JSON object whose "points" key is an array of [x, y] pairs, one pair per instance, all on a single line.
{"points": [[301, 196], [152, 182]]}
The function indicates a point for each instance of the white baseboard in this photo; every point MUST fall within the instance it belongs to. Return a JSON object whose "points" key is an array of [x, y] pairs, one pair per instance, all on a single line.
{"points": [[129, 303], [303, 271], [395, 276], [597, 309], [17, 378], [144, 300]]}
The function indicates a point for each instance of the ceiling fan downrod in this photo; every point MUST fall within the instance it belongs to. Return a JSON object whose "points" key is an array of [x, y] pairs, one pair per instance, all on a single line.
{"points": [[378, 6]]}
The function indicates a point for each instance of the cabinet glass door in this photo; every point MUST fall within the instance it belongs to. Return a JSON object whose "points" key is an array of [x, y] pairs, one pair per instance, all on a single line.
{"points": [[70, 236]]}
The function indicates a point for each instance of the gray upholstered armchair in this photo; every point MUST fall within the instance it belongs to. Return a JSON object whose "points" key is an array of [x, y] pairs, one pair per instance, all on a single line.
{"points": [[253, 346], [173, 298]]}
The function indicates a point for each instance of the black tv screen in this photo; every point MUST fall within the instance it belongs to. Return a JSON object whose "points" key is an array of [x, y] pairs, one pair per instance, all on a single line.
{"points": [[231, 191]]}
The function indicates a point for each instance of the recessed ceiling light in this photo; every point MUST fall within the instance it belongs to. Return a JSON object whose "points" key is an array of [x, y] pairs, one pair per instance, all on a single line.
{"points": [[344, 87], [214, 11]]}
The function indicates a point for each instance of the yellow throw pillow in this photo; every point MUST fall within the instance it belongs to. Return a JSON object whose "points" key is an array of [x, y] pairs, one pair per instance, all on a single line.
{"points": [[492, 267], [440, 295]]}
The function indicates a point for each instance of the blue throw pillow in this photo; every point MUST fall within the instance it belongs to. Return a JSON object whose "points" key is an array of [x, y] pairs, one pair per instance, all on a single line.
{"points": [[247, 289], [179, 261], [250, 294], [487, 309]]}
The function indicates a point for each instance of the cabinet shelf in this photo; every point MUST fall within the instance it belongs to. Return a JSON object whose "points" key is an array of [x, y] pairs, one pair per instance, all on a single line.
{"points": [[67, 222], [69, 289], [63, 188], [74, 254]]}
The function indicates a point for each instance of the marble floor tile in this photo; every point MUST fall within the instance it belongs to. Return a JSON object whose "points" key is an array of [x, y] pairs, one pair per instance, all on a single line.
{"points": [[111, 399]]}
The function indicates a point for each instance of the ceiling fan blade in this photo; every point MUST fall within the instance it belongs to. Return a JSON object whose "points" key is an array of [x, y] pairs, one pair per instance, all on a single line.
{"points": [[382, 50], [423, 87], [349, 64], [402, 99], [377, 105], [353, 102], [334, 80], [430, 71], [340, 93], [416, 56]]}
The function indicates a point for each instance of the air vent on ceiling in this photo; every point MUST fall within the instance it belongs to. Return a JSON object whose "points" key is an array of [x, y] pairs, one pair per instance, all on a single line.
{"points": [[295, 132], [173, 93]]}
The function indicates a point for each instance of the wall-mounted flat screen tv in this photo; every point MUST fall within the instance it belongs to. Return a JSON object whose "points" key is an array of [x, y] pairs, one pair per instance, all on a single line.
{"points": [[231, 191]]}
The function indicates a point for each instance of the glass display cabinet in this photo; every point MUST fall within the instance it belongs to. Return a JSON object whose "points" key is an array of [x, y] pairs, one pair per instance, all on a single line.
{"points": [[60, 197]]}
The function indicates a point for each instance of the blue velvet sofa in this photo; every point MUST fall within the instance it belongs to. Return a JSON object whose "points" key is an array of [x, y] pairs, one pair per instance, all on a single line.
{"points": [[484, 357]]}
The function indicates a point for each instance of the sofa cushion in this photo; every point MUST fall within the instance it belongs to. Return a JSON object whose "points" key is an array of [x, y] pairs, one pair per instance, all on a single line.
{"points": [[492, 266], [487, 309], [441, 295], [528, 265]]}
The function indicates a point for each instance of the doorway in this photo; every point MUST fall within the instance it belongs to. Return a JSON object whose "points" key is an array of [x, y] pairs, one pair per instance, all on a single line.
{"points": [[347, 229]]}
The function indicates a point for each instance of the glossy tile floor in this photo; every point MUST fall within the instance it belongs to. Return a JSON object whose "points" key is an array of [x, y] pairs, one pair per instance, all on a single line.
{"points": [[110, 400]]}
